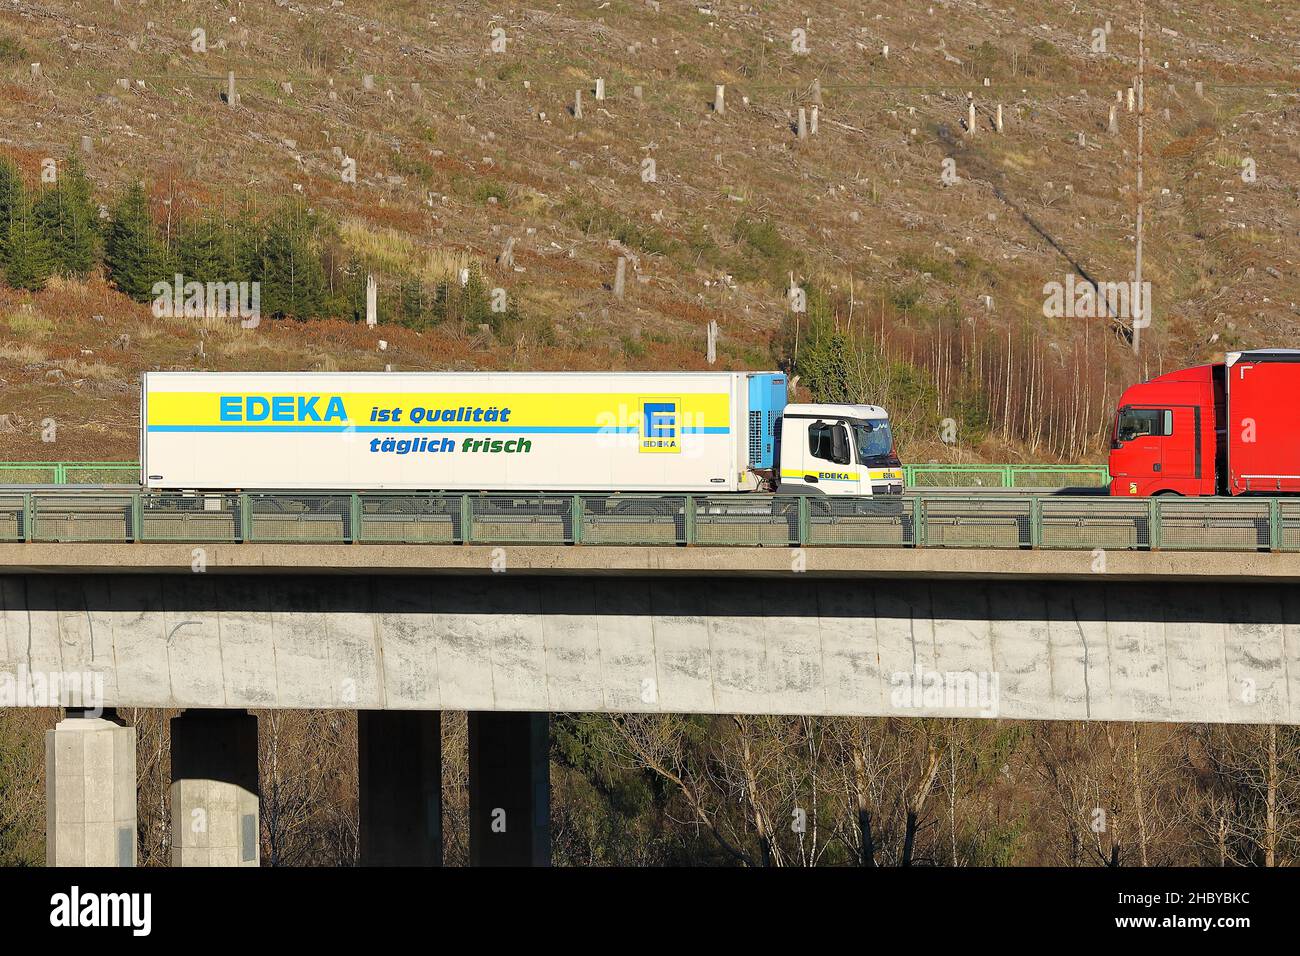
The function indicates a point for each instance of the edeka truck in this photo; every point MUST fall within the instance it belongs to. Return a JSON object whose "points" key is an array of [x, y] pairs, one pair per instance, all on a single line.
{"points": [[1229, 428], [706, 432]]}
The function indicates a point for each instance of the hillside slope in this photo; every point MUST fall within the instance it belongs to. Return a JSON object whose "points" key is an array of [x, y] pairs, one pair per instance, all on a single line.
{"points": [[460, 148]]}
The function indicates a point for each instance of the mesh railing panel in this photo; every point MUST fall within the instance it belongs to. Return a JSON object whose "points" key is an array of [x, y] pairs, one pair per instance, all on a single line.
{"points": [[875, 522], [772, 521], [23, 474], [63, 517], [521, 519], [956, 476], [1289, 525], [410, 519], [1048, 477], [1214, 524], [100, 474], [1087, 523], [977, 522], [174, 516], [299, 517], [11, 518], [633, 520]]}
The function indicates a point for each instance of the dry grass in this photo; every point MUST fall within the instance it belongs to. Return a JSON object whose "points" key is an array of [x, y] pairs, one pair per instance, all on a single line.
{"points": [[94, 371], [401, 254], [21, 353], [29, 325]]}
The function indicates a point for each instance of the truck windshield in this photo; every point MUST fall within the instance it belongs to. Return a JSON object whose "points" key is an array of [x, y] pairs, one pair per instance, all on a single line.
{"points": [[874, 439]]}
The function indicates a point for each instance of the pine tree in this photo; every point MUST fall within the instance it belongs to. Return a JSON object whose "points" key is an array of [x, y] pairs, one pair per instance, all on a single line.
{"points": [[68, 216], [133, 253], [206, 251], [11, 192], [287, 264], [30, 261]]}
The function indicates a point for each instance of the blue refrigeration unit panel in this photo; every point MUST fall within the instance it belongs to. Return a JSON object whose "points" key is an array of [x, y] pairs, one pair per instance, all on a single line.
{"points": [[767, 398]]}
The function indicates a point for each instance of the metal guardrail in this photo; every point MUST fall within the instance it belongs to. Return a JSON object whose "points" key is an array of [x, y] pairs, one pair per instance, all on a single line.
{"points": [[947, 521], [914, 476], [1004, 476], [69, 472]]}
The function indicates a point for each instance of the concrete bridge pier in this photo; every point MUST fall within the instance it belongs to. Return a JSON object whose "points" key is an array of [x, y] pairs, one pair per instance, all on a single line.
{"points": [[399, 755], [90, 799], [509, 789], [215, 814]]}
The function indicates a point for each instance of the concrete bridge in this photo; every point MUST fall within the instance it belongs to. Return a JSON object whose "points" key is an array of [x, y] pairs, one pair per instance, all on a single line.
{"points": [[511, 634]]}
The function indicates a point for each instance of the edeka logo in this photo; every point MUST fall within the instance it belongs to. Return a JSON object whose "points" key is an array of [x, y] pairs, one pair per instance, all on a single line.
{"points": [[660, 430], [287, 409]]}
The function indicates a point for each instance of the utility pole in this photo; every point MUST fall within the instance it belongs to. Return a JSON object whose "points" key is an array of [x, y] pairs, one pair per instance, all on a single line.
{"points": [[1140, 318]]}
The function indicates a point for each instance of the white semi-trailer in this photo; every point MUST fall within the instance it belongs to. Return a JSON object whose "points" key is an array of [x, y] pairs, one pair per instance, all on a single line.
{"points": [[507, 431]]}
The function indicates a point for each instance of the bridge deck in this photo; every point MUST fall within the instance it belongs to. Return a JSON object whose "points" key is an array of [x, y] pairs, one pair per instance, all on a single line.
{"points": [[652, 561]]}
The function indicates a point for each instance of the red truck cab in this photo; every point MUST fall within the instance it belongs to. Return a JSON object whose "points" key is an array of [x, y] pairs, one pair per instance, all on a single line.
{"points": [[1163, 440], [1230, 428]]}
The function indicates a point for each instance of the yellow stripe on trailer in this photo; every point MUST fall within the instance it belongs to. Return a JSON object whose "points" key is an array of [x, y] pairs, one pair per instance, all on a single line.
{"points": [[591, 410]]}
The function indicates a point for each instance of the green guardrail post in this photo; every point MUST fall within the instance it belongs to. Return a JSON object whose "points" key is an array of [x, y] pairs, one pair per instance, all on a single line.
{"points": [[136, 532], [1008, 476], [354, 518], [688, 520], [1153, 523], [919, 535], [805, 519], [245, 517], [60, 473], [28, 515], [577, 519], [466, 520], [1274, 524], [1035, 522]]}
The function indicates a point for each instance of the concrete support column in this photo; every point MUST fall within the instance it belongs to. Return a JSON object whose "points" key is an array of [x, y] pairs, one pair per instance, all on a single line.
{"points": [[400, 787], [509, 789], [90, 792], [215, 816]]}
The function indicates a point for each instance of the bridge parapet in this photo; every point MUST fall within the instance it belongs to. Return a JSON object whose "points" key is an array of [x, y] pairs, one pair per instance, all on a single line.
{"points": [[1013, 522]]}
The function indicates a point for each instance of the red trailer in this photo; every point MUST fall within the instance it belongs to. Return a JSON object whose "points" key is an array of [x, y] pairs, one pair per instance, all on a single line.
{"points": [[1231, 428]]}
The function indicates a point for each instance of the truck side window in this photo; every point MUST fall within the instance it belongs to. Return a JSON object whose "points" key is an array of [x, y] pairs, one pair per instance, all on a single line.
{"points": [[826, 444], [1143, 422]]}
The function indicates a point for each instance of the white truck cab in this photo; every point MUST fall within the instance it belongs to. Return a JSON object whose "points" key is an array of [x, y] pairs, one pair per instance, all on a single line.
{"points": [[837, 450]]}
